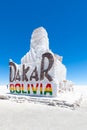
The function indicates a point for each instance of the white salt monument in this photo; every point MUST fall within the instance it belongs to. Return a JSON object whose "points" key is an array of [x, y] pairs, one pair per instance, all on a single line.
{"points": [[41, 72]]}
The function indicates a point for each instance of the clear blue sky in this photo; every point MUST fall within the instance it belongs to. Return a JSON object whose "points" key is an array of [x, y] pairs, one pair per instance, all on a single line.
{"points": [[65, 22]]}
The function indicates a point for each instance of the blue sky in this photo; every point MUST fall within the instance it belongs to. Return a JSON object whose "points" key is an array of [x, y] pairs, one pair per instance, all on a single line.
{"points": [[65, 22]]}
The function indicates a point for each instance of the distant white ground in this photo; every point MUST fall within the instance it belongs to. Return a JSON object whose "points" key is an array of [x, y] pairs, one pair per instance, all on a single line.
{"points": [[31, 116]]}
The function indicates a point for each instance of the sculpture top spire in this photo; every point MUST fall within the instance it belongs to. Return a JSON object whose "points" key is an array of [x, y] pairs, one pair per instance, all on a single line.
{"points": [[39, 39]]}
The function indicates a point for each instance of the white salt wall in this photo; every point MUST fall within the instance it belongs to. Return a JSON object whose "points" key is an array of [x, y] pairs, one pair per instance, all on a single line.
{"points": [[81, 89], [4, 89]]}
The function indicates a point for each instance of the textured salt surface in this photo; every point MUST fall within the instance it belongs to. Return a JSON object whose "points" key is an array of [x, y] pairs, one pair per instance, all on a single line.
{"points": [[31, 116]]}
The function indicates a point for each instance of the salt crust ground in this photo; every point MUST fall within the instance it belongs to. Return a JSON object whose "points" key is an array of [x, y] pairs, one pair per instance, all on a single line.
{"points": [[31, 116]]}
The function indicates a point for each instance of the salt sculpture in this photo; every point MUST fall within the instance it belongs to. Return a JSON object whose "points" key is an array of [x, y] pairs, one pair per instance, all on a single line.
{"points": [[41, 71]]}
